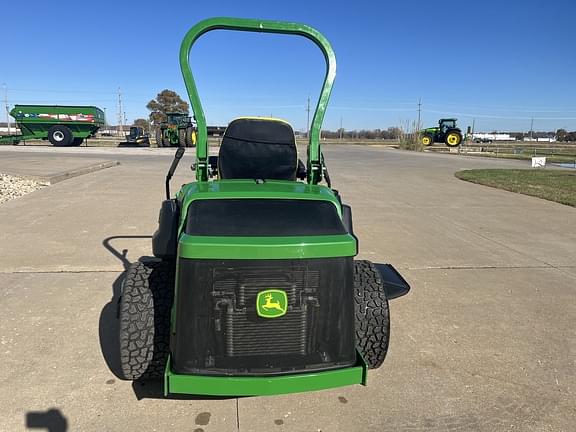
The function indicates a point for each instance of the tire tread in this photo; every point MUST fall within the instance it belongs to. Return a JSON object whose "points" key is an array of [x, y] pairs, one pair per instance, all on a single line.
{"points": [[372, 318], [144, 313]]}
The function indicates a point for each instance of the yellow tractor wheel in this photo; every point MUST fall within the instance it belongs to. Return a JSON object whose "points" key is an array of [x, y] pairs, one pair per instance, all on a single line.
{"points": [[453, 139], [426, 140], [190, 137]]}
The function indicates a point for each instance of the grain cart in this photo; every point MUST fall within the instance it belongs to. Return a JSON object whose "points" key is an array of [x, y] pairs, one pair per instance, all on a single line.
{"points": [[61, 125], [446, 132], [255, 290], [177, 130]]}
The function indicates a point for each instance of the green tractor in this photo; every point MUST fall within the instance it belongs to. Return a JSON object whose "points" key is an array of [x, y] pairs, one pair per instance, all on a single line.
{"points": [[178, 130], [446, 132], [254, 289]]}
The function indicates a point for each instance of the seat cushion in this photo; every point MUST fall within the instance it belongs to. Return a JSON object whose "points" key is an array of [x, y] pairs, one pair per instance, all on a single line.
{"points": [[258, 148]]}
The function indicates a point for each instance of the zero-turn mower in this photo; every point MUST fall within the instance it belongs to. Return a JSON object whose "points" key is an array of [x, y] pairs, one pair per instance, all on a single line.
{"points": [[255, 290]]}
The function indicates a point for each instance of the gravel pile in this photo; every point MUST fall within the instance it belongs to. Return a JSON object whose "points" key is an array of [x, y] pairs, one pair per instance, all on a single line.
{"points": [[13, 187]]}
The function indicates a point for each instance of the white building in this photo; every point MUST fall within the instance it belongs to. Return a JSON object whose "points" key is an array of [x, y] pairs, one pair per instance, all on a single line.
{"points": [[492, 137]]}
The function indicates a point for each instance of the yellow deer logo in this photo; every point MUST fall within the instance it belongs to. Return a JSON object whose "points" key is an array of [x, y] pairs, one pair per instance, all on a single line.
{"points": [[271, 303]]}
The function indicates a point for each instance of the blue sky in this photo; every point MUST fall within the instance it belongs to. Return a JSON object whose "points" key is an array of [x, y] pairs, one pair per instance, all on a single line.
{"points": [[501, 63]]}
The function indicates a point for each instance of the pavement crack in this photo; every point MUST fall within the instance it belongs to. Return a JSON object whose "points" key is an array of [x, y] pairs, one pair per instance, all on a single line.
{"points": [[237, 416], [58, 271], [479, 267]]}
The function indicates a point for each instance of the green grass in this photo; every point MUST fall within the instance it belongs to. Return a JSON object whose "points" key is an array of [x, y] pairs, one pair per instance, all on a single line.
{"points": [[552, 185]]}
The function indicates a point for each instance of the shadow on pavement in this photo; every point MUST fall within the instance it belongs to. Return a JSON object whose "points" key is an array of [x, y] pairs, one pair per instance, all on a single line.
{"points": [[108, 331], [133, 145], [154, 389], [108, 325], [51, 420]]}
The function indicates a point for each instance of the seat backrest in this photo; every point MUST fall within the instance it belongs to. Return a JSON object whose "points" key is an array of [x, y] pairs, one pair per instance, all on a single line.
{"points": [[258, 148]]}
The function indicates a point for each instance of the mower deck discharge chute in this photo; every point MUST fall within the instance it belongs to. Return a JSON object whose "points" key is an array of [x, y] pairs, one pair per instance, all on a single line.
{"points": [[256, 290]]}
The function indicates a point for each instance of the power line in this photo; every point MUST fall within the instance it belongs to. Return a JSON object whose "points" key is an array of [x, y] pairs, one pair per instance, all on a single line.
{"points": [[380, 100], [18, 90], [350, 108], [498, 117], [503, 108]]}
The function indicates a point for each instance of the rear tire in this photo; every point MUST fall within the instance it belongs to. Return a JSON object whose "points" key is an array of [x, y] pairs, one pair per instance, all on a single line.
{"points": [[372, 318], [190, 137], [145, 305], [453, 139], [159, 138], [181, 137], [60, 136]]}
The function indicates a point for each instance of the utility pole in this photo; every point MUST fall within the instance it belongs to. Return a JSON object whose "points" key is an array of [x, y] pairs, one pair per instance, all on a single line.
{"points": [[120, 127], [308, 119], [106, 121], [418, 127], [531, 128], [341, 130], [7, 107]]}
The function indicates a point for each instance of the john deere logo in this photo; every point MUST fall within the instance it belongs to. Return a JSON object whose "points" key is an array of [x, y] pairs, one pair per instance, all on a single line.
{"points": [[271, 303]]}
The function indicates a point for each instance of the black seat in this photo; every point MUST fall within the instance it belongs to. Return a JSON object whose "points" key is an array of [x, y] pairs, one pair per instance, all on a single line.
{"points": [[258, 148]]}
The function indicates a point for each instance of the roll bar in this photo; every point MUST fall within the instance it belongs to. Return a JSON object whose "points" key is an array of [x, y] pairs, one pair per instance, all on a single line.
{"points": [[315, 168]]}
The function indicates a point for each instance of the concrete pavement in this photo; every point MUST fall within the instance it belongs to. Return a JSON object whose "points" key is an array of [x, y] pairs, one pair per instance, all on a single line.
{"points": [[52, 169], [484, 342]]}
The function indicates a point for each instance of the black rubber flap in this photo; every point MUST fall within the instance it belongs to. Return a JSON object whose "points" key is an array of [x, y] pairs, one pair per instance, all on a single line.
{"points": [[394, 284], [258, 149]]}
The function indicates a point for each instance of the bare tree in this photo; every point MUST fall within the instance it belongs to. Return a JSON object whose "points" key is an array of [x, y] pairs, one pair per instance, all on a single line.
{"points": [[409, 135]]}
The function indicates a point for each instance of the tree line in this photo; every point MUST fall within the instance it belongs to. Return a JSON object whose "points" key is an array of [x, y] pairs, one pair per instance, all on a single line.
{"points": [[565, 136], [169, 101], [390, 133]]}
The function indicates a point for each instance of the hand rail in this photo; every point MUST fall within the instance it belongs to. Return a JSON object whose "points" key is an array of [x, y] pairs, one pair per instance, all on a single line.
{"points": [[262, 26]]}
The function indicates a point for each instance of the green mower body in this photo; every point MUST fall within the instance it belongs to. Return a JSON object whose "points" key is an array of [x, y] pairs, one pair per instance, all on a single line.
{"points": [[256, 290], [237, 345]]}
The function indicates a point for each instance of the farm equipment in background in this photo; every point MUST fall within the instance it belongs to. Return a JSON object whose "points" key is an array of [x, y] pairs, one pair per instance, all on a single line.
{"points": [[61, 125], [137, 136], [177, 131], [446, 132]]}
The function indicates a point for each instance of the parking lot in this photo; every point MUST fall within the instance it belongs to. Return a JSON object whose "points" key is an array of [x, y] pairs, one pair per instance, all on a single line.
{"points": [[485, 341]]}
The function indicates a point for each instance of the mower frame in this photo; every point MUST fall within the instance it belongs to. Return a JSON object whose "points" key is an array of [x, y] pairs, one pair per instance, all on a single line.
{"points": [[316, 170], [267, 384]]}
